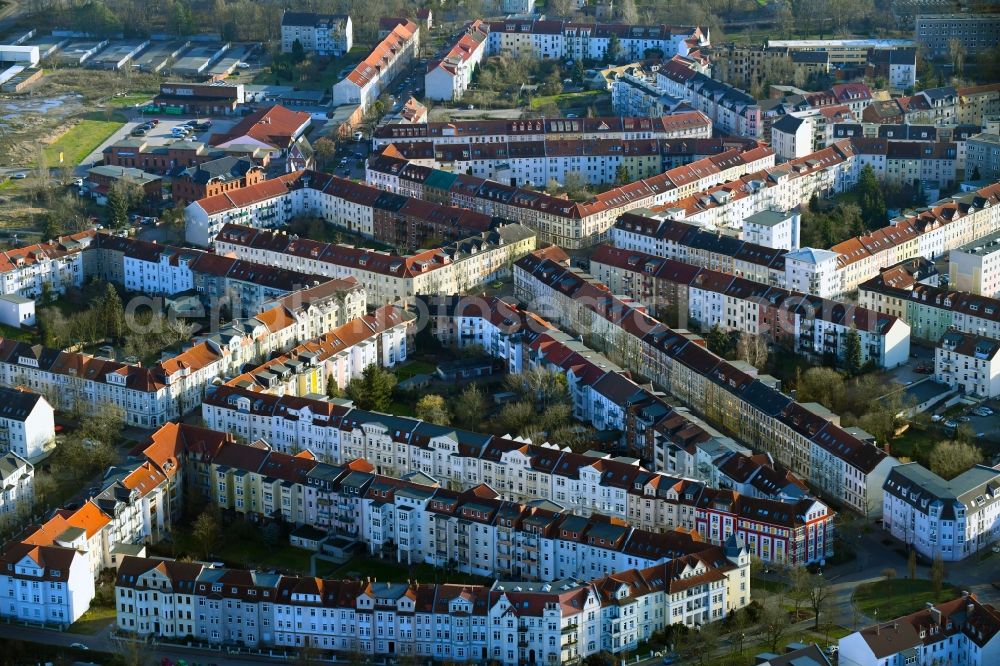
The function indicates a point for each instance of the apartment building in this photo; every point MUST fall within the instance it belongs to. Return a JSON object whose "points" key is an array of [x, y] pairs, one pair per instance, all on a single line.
{"points": [[387, 278], [930, 165], [139, 153], [322, 34], [705, 298], [48, 585], [372, 76], [338, 355], [544, 38], [356, 207], [982, 156], [507, 623], [947, 519], [974, 31], [558, 220], [975, 268], [909, 291], [731, 110], [634, 93], [449, 78], [27, 425], [814, 448], [792, 137], [18, 494], [969, 363], [55, 265], [687, 124]]}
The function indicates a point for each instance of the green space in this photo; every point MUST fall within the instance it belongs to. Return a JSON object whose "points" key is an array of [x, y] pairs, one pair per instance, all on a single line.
{"points": [[311, 73], [131, 99], [383, 570], [94, 620], [402, 409], [413, 368], [249, 552], [898, 597], [83, 138], [574, 100]]}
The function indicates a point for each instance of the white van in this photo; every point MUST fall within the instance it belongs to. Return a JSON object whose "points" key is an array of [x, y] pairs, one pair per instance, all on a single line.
{"points": [[359, 136]]}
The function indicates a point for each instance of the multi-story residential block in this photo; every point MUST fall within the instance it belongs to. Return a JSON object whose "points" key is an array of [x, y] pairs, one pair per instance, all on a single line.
{"points": [[371, 77], [933, 165], [974, 31], [969, 363], [757, 476], [982, 157], [687, 124], [976, 104], [388, 278], [449, 78], [567, 223], [792, 137], [947, 519], [908, 290], [773, 229], [975, 267], [55, 265], [831, 459], [589, 41], [960, 631], [356, 207], [705, 298], [731, 110], [27, 424], [322, 34], [634, 93], [507, 623], [18, 495], [49, 585]]}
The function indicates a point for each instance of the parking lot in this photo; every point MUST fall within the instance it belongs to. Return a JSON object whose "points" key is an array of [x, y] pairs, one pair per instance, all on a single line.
{"points": [[159, 135]]}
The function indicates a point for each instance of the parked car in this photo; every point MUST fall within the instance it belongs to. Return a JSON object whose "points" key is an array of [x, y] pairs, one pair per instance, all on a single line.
{"points": [[138, 131], [19, 175], [78, 646], [243, 65], [950, 424]]}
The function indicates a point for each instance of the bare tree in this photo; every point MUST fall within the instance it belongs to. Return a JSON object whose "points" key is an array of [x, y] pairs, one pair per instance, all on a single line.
{"points": [[819, 593], [752, 349]]}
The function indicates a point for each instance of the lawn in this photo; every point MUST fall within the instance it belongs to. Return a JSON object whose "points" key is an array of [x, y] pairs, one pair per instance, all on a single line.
{"points": [[413, 368], [94, 620], [576, 100], [131, 99], [242, 548], [898, 597], [318, 74], [83, 138], [382, 570]]}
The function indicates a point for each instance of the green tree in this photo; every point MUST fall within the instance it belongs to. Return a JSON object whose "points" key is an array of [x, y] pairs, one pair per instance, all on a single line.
{"points": [[852, 352], [515, 417], [332, 390], [113, 313], [105, 424], [373, 390], [614, 52], [871, 199], [719, 341], [117, 208], [298, 52], [434, 409], [949, 458], [470, 408], [622, 175]]}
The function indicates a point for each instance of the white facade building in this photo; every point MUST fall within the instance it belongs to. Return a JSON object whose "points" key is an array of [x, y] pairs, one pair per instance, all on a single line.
{"points": [[449, 78], [27, 425], [774, 229], [947, 519], [968, 362], [17, 476], [792, 137], [367, 81], [16, 311], [975, 267], [322, 34]]}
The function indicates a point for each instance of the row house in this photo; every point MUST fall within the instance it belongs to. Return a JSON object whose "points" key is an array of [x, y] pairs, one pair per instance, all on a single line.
{"points": [[543, 38], [682, 125], [33, 270], [931, 311], [731, 110], [519, 471], [810, 324], [559, 220], [387, 278], [917, 163], [337, 356], [948, 519], [819, 451], [506, 623], [371, 77]]}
